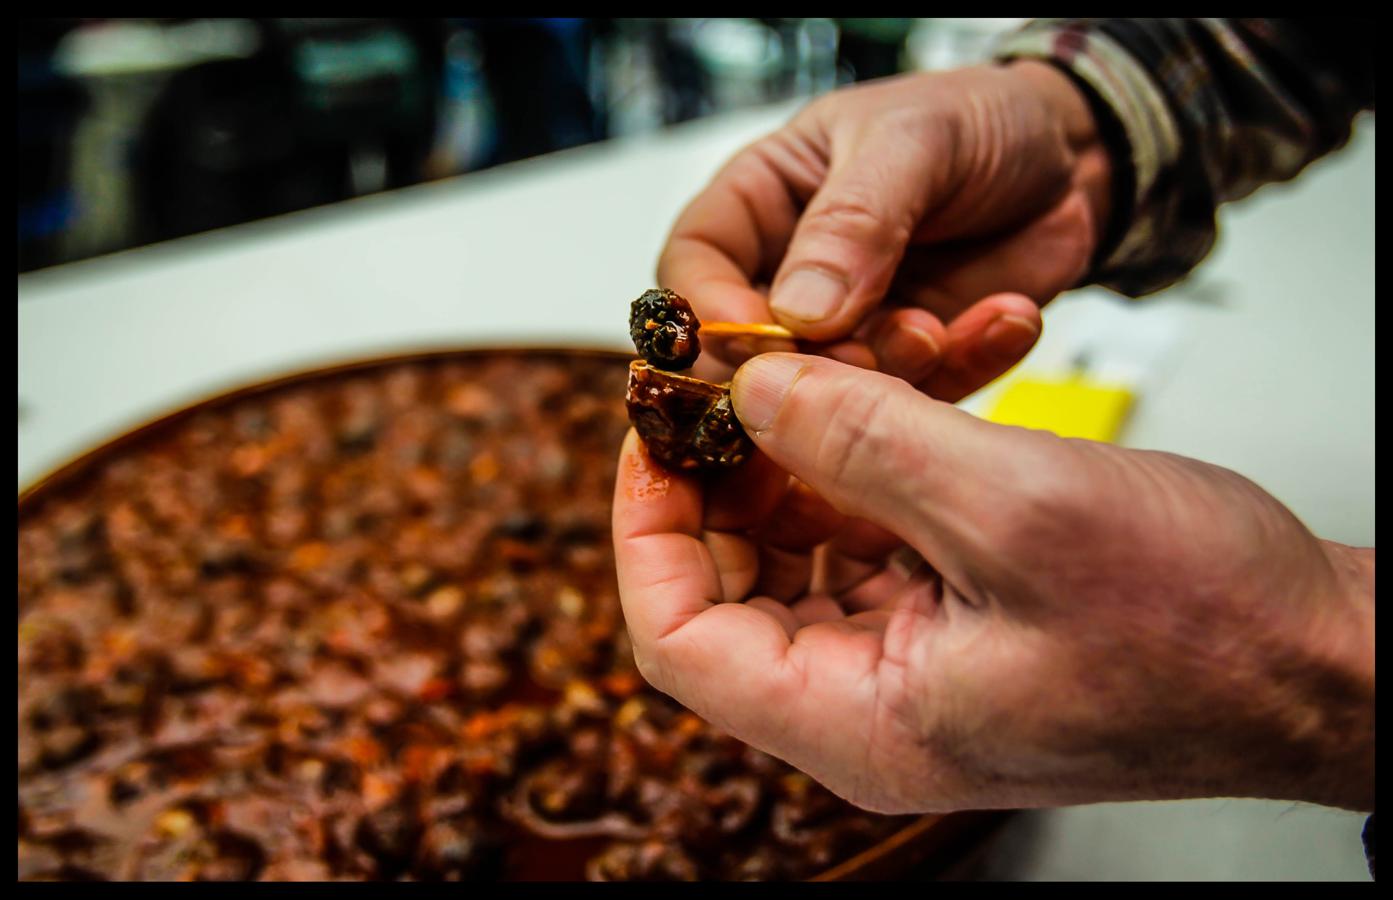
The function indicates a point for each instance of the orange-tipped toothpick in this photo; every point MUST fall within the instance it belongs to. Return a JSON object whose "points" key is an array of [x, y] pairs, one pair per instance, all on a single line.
{"points": [[747, 329]]}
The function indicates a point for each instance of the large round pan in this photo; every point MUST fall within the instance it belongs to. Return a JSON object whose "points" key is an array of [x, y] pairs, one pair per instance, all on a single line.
{"points": [[930, 847]]}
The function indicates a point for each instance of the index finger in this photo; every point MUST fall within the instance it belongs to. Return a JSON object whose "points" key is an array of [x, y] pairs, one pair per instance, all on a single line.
{"points": [[732, 235]]}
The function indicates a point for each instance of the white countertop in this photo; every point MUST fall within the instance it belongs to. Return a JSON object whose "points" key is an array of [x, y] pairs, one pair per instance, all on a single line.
{"points": [[1265, 365]]}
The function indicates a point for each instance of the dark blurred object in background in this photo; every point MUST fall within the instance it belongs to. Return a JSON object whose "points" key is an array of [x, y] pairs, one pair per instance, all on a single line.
{"points": [[538, 72], [873, 48], [328, 109], [133, 131], [50, 105]]}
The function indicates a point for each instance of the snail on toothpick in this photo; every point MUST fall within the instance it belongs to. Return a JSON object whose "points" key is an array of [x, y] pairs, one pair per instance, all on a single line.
{"points": [[685, 422]]}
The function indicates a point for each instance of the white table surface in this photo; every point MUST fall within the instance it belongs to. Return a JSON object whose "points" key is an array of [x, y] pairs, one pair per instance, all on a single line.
{"points": [[1266, 365]]}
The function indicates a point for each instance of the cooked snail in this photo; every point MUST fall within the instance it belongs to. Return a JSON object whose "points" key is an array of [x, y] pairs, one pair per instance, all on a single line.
{"points": [[685, 422], [664, 329]]}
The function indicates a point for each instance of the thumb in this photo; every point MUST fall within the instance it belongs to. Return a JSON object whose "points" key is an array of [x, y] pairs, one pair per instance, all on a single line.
{"points": [[875, 448], [849, 241]]}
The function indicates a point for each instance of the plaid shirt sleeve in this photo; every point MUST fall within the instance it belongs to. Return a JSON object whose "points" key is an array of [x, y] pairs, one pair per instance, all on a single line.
{"points": [[1198, 112]]}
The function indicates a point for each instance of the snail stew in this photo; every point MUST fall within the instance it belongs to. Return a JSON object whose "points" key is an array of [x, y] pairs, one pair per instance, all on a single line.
{"points": [[366, 626]]}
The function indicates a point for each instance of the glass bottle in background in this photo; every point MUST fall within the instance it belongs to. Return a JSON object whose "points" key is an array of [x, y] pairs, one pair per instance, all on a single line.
{"points": [[635, 87], [126, 66], [950, 43], [466, 137], [742, 58], [810, 52], [810, 56], [685, 80]]}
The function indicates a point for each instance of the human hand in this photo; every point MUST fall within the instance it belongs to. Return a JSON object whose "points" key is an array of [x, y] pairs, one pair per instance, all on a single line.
{"points": [[914, 224], [1076, 622]]}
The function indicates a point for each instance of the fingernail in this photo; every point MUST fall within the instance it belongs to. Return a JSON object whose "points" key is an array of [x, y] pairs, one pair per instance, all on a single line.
{"points": [[809, 295], [1010, 336], [760, 386]]}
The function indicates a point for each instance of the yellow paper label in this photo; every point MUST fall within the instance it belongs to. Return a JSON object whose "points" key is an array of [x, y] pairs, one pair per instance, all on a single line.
{"points": [[1073, 407]]}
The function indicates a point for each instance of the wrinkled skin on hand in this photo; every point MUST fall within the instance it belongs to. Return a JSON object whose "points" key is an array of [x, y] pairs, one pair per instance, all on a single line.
{"points": [[928, 612], [912, 224]]}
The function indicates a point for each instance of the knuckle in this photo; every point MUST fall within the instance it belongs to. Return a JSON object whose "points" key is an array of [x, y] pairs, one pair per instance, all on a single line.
{"points": [[854, 216], [857, 439]]}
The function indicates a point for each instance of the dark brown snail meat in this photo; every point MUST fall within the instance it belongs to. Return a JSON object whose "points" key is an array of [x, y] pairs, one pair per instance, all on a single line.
{"points": [[685, 422], [664, 329]]}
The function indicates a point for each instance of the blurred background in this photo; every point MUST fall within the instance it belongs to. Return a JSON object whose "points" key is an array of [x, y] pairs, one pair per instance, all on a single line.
{"points": [[134, 131]]}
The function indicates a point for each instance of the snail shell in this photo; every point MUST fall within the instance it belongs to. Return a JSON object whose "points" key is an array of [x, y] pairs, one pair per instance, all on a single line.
{"points": [[664, 329], [686, 423]]}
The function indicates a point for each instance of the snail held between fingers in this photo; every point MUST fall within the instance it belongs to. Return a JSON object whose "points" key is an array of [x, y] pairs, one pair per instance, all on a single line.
{"points": [[685, 422], [664, 329]]}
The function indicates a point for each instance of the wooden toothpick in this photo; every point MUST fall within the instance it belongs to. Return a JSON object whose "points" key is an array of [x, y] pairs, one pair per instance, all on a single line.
{"points": [[747, 329]]}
